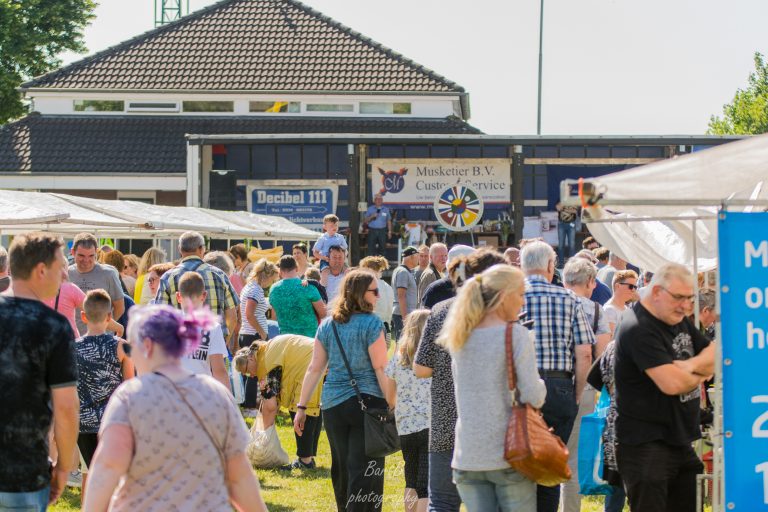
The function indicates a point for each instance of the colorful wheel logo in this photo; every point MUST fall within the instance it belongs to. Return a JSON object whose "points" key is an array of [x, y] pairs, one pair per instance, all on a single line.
{"points": [[458, 208]]}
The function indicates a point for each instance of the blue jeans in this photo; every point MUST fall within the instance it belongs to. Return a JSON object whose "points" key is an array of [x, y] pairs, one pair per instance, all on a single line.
{"points": [[566, 231], [615, 502], [32, 501], [443, 495], [504, 490], [559, 412]]}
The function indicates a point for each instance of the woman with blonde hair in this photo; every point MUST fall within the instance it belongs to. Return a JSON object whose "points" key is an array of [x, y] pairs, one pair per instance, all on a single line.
{"points": [[410, 396], [130, 272], [358, 480], [282, 363], [152, 256], [253, 310], [475, 335]]}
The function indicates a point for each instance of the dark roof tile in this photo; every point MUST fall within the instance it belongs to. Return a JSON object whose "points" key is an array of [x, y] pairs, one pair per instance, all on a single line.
{"points": [[141, 144], [253, 45]]}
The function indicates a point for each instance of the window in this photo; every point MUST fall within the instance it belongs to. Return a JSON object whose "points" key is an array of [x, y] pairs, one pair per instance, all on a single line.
{"points": [[330, 107], [209, 106], [153, 106], [98, 106], [384, 108], [275, 107]]}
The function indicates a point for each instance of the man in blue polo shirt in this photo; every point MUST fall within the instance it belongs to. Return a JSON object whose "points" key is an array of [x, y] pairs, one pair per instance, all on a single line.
{"points": [[379, 220]]}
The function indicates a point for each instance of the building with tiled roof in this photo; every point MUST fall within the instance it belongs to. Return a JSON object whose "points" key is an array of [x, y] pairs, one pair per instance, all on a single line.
{"points": [[252, 99]]}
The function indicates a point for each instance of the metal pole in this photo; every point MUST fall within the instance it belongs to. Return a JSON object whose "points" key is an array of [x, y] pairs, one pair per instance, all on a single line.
{"points": [[541, 59], [695, 275]]}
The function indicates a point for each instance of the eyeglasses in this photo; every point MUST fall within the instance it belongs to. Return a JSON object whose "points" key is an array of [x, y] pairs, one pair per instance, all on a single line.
{"points": [[374, 290], [630, 286], [678, 298]]}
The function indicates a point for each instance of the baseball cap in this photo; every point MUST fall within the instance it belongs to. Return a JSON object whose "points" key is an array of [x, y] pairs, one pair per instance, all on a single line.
{"points": [[410, 251]]}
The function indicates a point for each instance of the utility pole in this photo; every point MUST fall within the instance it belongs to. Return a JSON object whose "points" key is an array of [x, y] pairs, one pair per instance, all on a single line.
{"points": [[541, 59]]}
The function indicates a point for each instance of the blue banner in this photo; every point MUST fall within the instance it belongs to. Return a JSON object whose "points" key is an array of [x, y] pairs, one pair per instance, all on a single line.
{"points": [[743, 243], [303, 205]]}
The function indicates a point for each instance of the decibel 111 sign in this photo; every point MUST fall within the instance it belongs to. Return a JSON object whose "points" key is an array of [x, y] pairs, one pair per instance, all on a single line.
{"points": [[743, 245]]}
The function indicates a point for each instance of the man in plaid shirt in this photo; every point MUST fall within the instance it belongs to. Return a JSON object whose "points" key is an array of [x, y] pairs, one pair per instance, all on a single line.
{"points": [[220, 295], [564, 341]]}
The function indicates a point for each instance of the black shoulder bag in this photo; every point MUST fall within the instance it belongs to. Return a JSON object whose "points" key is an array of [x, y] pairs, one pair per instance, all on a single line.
{"points": [[381, 438]]}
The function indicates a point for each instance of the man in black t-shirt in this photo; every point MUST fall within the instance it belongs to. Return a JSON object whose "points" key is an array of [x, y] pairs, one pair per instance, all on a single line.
{"points": [[661, 361], [38, 377]]}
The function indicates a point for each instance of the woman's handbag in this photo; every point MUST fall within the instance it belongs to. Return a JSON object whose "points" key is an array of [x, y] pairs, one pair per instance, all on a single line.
{"points": [[381, 437], [236, 379], [264, 450], [591, 457], [530, 447]]}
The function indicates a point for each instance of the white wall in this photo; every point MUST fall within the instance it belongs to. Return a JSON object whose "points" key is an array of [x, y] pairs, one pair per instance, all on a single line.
{"points": [[61, 103]]}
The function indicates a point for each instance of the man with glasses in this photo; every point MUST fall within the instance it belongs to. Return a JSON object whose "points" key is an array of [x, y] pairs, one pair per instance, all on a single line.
{"points": [[563, 342], [661, 361]]}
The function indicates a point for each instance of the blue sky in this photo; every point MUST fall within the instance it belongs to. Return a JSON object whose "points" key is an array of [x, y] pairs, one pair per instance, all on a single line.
{"points": [[611, 67]]}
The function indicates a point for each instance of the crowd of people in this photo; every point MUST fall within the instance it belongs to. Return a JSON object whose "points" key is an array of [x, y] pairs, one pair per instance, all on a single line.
{"points": [[118, 365]]}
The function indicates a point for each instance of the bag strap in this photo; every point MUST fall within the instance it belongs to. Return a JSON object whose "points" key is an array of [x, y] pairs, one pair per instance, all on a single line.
{"points": [[352, 380], [56, 304], [219, 449], [511, 375], [597, 316]]}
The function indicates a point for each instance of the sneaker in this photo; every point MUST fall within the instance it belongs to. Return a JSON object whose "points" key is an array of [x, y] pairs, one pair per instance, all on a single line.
{"points": [[298, 464], [75, 479]]}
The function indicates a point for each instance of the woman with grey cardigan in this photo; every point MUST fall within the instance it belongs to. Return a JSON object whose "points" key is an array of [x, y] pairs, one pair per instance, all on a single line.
{"points": [[474, 334]]}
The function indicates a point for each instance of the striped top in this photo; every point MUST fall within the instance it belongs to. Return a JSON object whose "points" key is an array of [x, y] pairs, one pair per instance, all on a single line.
{"points": [[252, 291]]}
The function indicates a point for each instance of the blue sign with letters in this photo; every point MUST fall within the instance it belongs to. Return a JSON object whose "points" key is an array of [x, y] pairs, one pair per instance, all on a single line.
{"points": [[743, 241], [305, 206]]}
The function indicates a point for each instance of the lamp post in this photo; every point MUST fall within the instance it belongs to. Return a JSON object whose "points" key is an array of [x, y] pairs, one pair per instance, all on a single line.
{"points": [[541, 58]]}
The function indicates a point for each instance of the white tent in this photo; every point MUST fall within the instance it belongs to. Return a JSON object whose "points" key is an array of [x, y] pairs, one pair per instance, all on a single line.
{"points": [[651, 214], [64, 214], [29, 211]]}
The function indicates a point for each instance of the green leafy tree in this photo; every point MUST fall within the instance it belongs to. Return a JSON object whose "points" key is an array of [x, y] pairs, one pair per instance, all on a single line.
{"points": [[32, 34], [748, 112]]}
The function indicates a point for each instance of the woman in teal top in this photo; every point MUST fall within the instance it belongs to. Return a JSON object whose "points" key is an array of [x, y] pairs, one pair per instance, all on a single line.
{"points": [[358, 480]]}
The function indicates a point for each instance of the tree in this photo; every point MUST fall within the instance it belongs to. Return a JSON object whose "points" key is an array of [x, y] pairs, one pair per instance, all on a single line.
{"points": [[32, 34], [748, 112]]}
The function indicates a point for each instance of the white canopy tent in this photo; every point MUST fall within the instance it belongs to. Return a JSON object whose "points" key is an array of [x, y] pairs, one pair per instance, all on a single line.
{"points": [[67, 215], [652, 214], [667, 211]]}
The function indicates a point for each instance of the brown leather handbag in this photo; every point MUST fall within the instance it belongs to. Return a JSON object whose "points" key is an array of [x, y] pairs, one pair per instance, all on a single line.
{"points": [[530, 446]]}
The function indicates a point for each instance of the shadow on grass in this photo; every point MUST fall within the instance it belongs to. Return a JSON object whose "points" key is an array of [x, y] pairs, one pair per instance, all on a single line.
{"points": [[274, 507]]}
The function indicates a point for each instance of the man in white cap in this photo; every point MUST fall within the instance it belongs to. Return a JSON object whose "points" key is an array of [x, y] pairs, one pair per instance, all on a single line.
{"points": [[443, 288]]}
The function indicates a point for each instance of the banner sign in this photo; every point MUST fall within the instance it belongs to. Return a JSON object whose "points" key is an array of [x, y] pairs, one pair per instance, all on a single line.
{"points": [[743, 244], [304, 205], [416, 183]]}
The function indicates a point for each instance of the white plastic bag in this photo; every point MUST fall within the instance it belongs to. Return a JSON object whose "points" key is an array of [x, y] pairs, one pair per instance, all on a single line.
{"points": [[236, 380], [264, 450]]}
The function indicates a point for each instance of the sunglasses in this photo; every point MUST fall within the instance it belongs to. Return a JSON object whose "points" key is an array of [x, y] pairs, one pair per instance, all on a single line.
{"points": [[630, 286], [374, 290]]}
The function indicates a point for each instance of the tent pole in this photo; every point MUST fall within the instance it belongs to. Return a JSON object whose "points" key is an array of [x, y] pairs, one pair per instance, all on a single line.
{"points": [[695, 275]]}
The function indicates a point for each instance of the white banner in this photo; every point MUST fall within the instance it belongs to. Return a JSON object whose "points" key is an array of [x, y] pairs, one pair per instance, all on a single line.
{"points": [[415, 183]]}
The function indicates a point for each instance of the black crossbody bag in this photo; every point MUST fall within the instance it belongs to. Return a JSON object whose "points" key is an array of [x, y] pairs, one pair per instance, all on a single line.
{"points": [[381, 437]]}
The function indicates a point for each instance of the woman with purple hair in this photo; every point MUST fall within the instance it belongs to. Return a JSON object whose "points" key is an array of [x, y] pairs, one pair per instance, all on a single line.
{"points": [[170, 439]]}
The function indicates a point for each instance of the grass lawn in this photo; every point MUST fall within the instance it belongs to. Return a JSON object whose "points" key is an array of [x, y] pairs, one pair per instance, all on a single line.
{"points": [[311, 490]]}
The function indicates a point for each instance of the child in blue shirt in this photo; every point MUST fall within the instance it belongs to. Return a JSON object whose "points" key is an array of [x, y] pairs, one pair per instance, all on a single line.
{"points": [[330, 238]]}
